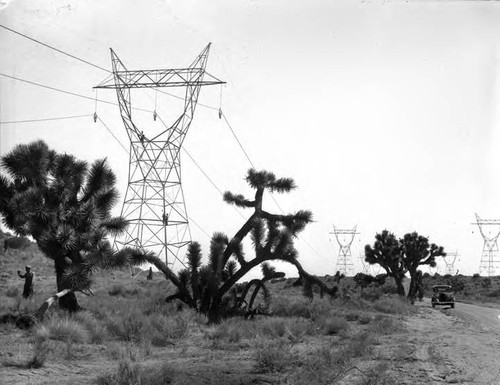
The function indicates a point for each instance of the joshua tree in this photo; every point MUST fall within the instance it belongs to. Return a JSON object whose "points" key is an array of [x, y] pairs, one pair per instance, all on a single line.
{"points": [[417, 252], [399, 257], [212, 288], [386, 251], [65, 205]]}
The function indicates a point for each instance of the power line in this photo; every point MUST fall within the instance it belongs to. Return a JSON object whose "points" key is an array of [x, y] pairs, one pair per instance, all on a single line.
{"points": [[67, 92], [45, 119], [115, 104], [237, 140], [272, 196], [88, 62], [111, 132], [54, 48]]}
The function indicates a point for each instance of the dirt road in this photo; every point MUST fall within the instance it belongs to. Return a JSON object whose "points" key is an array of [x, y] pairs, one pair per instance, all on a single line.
{"points": [[458, 345], [485, 317]]}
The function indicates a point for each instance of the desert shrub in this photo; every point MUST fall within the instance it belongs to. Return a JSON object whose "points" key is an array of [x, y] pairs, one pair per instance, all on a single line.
{"points": [[493, 293], [66, 329], [272, 357], [320, 366], [234, 330], [12, 292], [296, 307], [163, 330], [351, 316], [131, 373], [16, 243], [384, 325], [39, 356], [332, 325], [96, 329], [486, 283], [123, 291], [126, 327], [358, 345], [393, 305], [273, 327], [365, 319], [476, 276]]}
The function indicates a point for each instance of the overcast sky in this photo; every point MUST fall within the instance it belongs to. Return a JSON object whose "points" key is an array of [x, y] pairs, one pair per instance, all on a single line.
{"points": [[384, 112]]}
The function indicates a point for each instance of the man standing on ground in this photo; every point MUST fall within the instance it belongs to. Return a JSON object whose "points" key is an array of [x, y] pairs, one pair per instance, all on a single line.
{"points": [[28, 281]]}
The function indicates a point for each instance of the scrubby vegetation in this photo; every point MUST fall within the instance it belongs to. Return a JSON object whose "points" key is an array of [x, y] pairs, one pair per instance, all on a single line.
{"points": [[134, 336]]}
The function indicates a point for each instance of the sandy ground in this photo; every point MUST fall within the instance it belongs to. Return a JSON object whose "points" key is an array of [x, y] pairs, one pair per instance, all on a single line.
{"points": [[447, 346]]}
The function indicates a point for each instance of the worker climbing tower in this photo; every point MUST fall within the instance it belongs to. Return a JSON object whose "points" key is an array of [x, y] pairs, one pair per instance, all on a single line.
{"points": [[154, 201], [490, 257], [345, 237]]}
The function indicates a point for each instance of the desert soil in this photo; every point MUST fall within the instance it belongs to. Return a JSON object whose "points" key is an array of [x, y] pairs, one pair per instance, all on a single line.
{"points": [[447, 346], [439, 346]]}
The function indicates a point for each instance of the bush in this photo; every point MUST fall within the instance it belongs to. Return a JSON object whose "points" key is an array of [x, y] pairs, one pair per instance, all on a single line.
{"points": [[333, 325], [12, 292], [272, 357], [65, 329], [394, 305], [130, 373], [127, 327], [97, 332]]}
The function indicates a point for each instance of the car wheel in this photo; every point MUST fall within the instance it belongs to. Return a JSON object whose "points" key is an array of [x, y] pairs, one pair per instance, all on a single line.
{"points": [[433, 305], [453, 306]]}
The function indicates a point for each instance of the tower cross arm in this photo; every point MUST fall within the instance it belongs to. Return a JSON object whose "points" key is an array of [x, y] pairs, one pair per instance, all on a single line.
{"points": [[181, 77]]}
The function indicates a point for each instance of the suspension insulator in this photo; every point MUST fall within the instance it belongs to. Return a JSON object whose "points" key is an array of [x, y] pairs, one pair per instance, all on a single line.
{"points": [[95, 117], [154, 115], [220, 113]]}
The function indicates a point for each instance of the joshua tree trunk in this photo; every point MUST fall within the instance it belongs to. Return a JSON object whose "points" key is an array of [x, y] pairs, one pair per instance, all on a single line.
{"points": [[68, 301], [400, 287]]}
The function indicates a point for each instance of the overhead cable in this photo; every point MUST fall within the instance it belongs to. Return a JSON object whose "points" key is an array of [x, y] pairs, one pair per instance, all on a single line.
{"points": [[45, 119], [67, 92]]}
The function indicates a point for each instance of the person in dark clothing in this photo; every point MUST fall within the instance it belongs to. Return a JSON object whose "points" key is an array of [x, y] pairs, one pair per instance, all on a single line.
{"points": [[28, 277], [150, 274]]}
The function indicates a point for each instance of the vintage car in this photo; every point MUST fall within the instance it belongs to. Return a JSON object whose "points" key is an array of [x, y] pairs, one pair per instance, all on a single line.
{"points": [[443, 295]]}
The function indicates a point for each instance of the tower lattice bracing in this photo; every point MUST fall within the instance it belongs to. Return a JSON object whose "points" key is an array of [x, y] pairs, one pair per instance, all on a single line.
{"points": [[449, 261], [154, 201], [345, 237], [490, 257]]}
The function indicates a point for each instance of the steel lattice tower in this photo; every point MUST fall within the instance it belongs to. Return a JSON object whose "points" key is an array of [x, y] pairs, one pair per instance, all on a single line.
{"points": [[344, 237], [490, 257], [449, 261], [154, 200]]}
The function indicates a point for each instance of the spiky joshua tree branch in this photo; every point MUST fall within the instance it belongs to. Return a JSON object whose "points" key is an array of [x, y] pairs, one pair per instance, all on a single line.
{"points": [[212, 288]]}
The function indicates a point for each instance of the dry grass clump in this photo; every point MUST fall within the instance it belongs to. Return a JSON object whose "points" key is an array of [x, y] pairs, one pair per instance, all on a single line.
{"points": [[273, 357], [131, 373], [63, 329], [394, 305], [332, 324]]}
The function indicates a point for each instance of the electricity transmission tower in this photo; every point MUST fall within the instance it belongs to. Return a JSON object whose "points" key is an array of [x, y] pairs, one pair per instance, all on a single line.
{"points": [[344, 237], [490, 258], [449, 261], [154, 201]]}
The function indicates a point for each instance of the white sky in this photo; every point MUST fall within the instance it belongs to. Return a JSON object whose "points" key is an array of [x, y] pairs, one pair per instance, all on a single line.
{"points": [[384, 112]]}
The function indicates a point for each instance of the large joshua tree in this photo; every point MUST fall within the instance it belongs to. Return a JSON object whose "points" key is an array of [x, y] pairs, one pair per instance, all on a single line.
{"points": [[212, 288], [401, 256], [65, 205]]}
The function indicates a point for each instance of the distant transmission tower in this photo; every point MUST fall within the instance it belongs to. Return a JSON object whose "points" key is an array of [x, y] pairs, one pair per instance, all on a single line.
{"points": [[154, 201], [344, 237], [449, 261], [490, 258]]}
